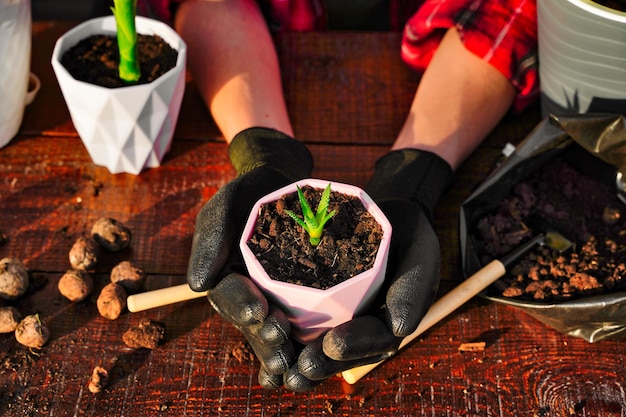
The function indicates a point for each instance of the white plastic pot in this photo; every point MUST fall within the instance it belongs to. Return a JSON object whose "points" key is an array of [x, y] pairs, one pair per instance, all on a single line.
{"points": [[15, 46], [582, 57], [313, 311], [130, 128]]}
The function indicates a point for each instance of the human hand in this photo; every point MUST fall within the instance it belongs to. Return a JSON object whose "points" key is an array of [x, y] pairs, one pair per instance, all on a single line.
{"points": [[406, 185], [265, 160]]}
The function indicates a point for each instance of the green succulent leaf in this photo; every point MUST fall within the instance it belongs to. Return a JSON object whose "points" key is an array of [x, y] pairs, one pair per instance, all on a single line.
{"points": [[124, 12], [313, 224]]}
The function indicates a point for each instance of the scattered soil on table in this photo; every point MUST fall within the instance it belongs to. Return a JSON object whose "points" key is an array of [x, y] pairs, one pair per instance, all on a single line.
{"points": [[584, 210], [147, 334], [95, 60], [243, 352], [99, 380], [348, 247]]}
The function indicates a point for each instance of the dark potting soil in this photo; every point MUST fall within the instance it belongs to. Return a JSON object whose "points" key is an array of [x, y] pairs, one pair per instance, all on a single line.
{"points": [[348, 247], [95, 60], [583, 209]]}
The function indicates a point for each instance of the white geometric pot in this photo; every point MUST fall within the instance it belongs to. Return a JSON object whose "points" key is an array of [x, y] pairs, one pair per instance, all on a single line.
{"points": [[582, 57], [313, 311], [129, 128]]}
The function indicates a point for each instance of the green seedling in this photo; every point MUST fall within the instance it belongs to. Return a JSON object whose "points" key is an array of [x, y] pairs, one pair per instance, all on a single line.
{"points": [[313, 224], [124, 12]]}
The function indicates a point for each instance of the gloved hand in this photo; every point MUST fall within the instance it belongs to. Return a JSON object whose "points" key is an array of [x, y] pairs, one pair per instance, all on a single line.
{"points": [[406, 185], [265, 160]]}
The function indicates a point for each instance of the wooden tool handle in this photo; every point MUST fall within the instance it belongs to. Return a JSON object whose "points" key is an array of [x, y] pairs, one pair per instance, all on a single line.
{"points": [[440, 309], [162, 297]]}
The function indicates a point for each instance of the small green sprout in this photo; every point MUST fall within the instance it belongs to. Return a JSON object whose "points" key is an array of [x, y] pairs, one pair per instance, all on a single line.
{"points": [[124, 12], [313, 224]]}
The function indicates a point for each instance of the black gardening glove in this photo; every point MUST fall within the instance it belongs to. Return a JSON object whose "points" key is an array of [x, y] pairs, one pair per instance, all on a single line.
{"points": [[406, 185], [265, 160]]}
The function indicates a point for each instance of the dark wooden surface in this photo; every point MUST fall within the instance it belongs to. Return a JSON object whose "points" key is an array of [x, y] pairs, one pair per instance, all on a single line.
{"points": [[348, 95]]}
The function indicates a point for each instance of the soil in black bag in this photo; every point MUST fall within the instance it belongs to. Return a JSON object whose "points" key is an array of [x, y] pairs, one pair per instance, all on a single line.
{"points": [[583, 209]]}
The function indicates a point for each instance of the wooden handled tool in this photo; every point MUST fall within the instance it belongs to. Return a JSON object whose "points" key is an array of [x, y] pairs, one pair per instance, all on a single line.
{"points": [[464, 292], [162, 297], [439, 310]]}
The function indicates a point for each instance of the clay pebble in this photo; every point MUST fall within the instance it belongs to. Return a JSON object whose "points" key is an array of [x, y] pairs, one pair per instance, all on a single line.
{"points": [[128, 276], [111, 234], [10, 317], [75, 285], [13, 278], [84, 253], [112, 301], [32, 332]]}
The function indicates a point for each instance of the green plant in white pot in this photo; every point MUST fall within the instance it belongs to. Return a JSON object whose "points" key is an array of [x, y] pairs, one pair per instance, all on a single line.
{"points": [[125, 128]]}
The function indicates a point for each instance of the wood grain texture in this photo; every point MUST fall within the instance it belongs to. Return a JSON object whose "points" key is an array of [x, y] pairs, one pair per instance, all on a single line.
{"points": [[347, 94]]}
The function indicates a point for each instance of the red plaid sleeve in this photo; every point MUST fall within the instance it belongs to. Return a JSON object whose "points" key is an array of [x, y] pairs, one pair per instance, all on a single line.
{"points": [[158, 9], [503, 33]]}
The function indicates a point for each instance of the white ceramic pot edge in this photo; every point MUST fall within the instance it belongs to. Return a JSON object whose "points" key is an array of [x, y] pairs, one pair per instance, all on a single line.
{"points": [[597, 9]]}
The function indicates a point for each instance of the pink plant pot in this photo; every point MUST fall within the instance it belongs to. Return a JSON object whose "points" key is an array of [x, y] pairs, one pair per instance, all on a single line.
{"points": [[313, 311]]}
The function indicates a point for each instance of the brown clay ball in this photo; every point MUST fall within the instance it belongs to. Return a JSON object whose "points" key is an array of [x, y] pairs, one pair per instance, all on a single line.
{"points": [[84, 253], [111, 234], [31, 332], [128, 276], [10, 317], [13, 278], [112, 301], [75, 285]]}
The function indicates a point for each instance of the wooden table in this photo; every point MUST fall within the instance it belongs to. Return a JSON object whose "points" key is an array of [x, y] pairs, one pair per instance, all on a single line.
{"points": [[348, 95]]}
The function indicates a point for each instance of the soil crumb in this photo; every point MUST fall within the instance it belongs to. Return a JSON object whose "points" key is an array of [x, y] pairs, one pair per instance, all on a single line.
{"points": [[148, 334]]}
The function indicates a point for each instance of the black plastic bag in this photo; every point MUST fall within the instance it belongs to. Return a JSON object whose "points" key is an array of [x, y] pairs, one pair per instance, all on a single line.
{"points": [[600, 140]]}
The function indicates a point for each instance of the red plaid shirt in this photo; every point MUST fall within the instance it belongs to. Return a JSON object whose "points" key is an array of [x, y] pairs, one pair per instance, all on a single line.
{"points": [[502, 32]]}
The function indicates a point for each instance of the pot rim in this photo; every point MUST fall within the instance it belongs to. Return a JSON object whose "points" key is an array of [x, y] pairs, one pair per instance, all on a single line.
{"points": [[599, 10], [370, 205], [106, 25]]}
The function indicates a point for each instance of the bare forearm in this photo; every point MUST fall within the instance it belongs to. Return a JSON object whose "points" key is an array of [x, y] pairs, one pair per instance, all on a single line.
{"points": [[232, 59], [459, 100]]}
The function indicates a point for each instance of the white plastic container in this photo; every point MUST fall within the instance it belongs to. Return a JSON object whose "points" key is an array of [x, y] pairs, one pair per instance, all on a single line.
{"points": [[582, 57], [15, 46]]}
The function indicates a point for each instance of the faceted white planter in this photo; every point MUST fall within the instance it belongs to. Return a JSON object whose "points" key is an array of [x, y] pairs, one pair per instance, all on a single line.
{"points": [[313, 311], [130, 128]]}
